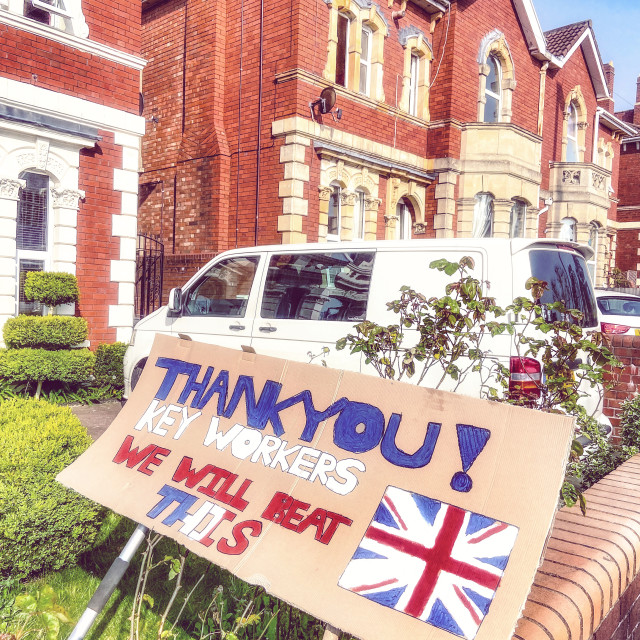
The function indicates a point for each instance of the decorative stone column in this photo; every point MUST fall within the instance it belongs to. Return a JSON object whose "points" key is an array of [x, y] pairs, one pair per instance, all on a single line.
{"points": [[371, 206], [348, 200], [9, 196], [324, 196], [65, 225], [390, 227], [502, 218], [466, 207], [446, 202]]}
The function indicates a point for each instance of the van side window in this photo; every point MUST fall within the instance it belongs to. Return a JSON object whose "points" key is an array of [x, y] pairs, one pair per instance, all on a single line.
{"points": [[318, 286], [224, 289]]}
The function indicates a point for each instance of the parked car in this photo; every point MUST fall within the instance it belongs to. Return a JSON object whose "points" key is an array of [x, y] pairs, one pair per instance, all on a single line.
{"points": [[290, 301], [619, 313]]}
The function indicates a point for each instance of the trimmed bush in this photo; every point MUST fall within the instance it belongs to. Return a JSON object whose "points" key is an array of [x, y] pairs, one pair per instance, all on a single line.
{"points": [[630, 422], [32, 365], [109, 369], [43, 525], [46, 332], [51, 287]]}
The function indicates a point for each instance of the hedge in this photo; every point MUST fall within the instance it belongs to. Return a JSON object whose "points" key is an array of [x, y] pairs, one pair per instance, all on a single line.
{"points": [[109, 368], [31, 365], [51, 287], [43, 525], [46, 332]]}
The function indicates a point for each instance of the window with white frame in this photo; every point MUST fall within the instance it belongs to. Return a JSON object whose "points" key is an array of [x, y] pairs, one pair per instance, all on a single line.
{"points": [[365, 60], [493, 91], [568, 229], [359, 216], [572, 134], [483, 216], [518, 219], [342, 52], [33, 233], [413, 84], [333, 224], [403, 213], [64, 15]]}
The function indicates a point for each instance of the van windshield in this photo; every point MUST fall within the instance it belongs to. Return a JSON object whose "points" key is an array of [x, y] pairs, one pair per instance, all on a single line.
{"points": [[568, 280]]}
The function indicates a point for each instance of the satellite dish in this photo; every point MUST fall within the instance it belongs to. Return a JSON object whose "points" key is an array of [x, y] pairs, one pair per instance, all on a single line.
{"points": [[327, 99], [325, 103]]}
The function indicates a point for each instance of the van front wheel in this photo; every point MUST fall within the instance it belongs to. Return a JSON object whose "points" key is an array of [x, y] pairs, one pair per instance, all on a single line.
{"points": [[136, 373]]}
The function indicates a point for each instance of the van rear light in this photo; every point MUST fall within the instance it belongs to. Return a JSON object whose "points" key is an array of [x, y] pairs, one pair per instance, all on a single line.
{"points": [[525, 377], [610, 327]]}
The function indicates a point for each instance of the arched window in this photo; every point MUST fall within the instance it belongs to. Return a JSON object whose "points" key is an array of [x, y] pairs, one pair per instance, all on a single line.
{"points": [[359, 216], [413, 84], [483, 216], [403, 224], [518, 218], [568, 229], [572, 134], [33, 233], [334, 221], [342, 52], [493, 91]]}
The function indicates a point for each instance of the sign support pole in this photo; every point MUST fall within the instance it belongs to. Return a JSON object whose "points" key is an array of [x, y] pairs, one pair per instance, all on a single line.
{"points": [[330, 633], [108, 584]]}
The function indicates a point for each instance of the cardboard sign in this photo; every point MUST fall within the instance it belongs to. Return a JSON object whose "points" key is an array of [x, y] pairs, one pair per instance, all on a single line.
{"points": [[388, 510]]}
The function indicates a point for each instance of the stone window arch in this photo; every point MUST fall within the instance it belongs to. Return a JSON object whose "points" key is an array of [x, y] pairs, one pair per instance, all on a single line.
{"points": [[355, 47], [414, 98], [402, 191], [497, 79], [574, 127]]}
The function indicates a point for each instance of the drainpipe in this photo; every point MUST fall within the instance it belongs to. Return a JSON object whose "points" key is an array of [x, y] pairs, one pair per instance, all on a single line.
{"points": [[255, 233]]}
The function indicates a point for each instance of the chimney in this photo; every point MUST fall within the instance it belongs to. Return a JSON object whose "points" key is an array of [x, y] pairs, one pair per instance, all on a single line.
{"points": [[609, 75]]}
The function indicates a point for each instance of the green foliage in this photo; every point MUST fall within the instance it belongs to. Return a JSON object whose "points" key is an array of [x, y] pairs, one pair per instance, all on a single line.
{"points": [[43, 525], [602, 455], [51, 287], [46, 332], [449, 331], [35, 615], [31, 365], [109, 368], [630, 422], [447, 337]]}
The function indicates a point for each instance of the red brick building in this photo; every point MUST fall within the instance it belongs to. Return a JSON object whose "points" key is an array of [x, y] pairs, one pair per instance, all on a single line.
{"points": [[70, 135], [628, 214], [450, 119]]}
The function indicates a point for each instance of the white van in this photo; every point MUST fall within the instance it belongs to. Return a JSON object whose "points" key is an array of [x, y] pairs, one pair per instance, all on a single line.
{"points": [[290, 301]]}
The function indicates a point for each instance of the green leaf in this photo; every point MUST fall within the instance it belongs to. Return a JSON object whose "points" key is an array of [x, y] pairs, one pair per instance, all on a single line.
{"points": [[148, 599], [26, 603]]}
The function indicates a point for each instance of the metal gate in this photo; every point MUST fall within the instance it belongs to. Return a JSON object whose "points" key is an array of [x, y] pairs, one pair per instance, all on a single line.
{"points": [[149, 268]]}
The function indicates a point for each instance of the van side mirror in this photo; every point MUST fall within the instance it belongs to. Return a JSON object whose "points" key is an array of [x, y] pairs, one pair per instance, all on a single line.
{"points": [[175, 300]]}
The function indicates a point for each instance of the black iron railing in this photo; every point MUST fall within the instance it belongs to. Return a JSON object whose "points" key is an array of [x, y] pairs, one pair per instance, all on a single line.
{"points": [[149, 268]]}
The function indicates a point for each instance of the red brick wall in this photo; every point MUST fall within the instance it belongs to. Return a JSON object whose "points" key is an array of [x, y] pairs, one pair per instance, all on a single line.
{"points": [[96, 247], [627, 350], [61, 68]]}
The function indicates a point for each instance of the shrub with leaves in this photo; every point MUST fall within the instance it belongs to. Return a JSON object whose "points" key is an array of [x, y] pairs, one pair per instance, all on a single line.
{"points": [[36, 365], [51, 287], [446, 336], [43, 525], [109, 369], [630, 422], [44, 332]]}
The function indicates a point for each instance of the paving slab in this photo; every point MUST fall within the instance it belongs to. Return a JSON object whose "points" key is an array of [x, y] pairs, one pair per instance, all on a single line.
{"points": [[97, 417]]}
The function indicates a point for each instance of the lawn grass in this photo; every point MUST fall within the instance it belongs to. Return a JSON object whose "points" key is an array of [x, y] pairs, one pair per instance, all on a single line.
{"points": [[74, 587]]}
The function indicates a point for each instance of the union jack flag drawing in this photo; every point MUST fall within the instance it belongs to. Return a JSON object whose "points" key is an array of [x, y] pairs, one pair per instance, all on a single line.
{"points": [[431, 560]]}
